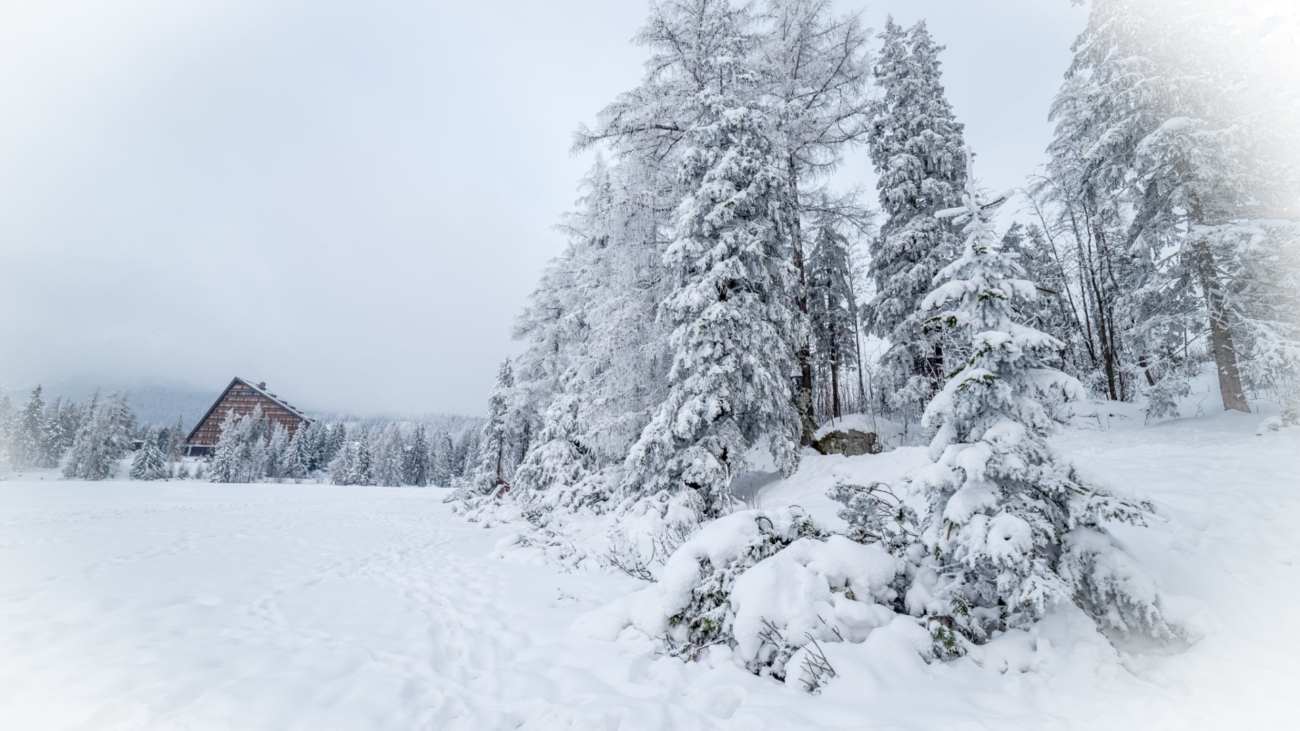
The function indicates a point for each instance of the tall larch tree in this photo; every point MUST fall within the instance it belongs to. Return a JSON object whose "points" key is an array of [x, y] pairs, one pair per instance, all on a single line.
{"points": [[816, 71]]}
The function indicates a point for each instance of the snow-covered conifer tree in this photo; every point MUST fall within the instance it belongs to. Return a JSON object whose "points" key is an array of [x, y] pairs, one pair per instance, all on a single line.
{"points": [[6, 426], [298, 458], [225, 462], [498, 447], [1011, 526], [176, 441], [332, 440], [443, 460], [353, 463], [559, 460], [916, 145], [277, 453], [242, 451], [102, 439], [389, 454], [832, 311], [149, 462], [53, 441], [27, 432], [415, 460], [735, 324]]}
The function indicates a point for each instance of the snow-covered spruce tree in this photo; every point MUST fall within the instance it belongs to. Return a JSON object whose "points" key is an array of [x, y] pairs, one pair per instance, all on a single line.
{"points": [[500, 441], [557, 463], [469, 449], [27, 432], [353, 463], [241, 453], [6, 426], [442, 459], [308, 446], [277, 453], [298, 456], [225, 462], [149, 462], [1010, 526], [54, 439], [735, 324], [331, 442], [1052, 313], [415, 460], [388, 456], [176, 441], [916, 145], [70, 417], [102, 439], [832, 312]]}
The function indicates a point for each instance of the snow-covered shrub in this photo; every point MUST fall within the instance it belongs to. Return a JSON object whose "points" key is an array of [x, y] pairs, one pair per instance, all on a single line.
{"points": [[876, 515], [1162, 398], [812, 590], [763, 584], [698, 579], [1112, 587], [650, 530]]}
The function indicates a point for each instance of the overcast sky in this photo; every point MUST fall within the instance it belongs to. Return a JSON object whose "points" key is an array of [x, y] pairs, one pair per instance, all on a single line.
{"points": [[351, 200]]}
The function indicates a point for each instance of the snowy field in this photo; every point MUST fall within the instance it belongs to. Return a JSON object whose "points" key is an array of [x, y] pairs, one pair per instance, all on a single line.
{"points": [[130, 605]]}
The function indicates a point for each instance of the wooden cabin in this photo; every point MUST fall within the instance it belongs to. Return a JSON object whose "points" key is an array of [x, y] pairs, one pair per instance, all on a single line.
{"points": [[242, 397]]}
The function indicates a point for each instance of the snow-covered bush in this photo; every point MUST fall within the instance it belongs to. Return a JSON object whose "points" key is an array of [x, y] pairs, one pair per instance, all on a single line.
{"points": [[762, 584], [812, 590], [1162, 398], [1112, 587], [698, 579], [876, 515]]}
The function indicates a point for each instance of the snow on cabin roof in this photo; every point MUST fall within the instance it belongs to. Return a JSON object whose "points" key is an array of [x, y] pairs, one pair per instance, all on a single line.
{"points": [[259, 388]]}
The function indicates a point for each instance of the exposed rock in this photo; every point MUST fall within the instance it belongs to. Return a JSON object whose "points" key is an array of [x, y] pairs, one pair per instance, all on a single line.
{"points": [[849, 443]]}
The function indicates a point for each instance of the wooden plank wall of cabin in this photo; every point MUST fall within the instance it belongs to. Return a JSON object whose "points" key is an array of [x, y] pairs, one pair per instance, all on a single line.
{"points": [[242, 400]]}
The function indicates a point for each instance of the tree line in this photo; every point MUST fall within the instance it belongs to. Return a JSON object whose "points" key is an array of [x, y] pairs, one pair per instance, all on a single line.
{"points": [[90, 440]]}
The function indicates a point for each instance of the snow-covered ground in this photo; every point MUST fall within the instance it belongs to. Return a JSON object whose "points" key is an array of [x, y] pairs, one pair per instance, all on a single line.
{"points": [[129, 605]]}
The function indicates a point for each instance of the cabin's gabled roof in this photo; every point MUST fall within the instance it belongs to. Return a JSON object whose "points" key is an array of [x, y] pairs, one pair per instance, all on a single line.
{"points": [[256, 388]]}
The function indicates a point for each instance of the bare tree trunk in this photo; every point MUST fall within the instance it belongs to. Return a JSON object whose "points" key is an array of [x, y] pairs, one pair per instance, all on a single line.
{"points": [[857, 344], [1225, 350], [835, 390], [804, 396]]}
